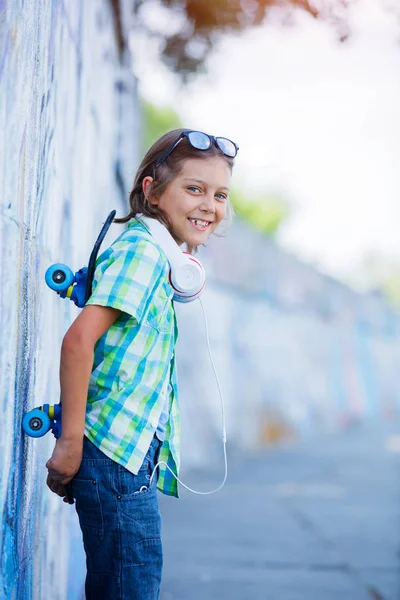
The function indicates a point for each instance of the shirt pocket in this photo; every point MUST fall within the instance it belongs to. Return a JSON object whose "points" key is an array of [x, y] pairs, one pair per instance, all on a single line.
{"points": [[158, 315]]}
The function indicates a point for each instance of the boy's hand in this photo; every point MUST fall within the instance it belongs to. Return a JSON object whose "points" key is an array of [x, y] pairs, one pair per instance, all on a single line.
{"points": [[60, 489], [63, 464]]}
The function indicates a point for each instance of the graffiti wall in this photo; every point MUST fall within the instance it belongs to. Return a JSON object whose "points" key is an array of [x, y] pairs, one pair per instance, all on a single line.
{"points": [[68, 118], [295, 351]]}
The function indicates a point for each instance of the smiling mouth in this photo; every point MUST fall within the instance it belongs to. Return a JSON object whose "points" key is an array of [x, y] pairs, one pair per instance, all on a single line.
{"points": [[200, 224]]}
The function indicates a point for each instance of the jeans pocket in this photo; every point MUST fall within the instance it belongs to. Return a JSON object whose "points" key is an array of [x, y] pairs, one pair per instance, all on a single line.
{"points": [[133, 486], [130, 485], [88, 507]]}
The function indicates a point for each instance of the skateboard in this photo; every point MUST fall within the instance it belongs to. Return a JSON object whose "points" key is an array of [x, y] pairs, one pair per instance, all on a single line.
{"points": [[78, 288]]}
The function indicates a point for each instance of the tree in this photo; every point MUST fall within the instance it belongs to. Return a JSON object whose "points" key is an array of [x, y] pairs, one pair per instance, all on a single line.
{"points": [[199, 23]]}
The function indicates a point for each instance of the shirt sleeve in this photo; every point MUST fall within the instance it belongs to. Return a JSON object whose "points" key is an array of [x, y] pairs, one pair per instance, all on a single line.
{"points": [[128, 276]]}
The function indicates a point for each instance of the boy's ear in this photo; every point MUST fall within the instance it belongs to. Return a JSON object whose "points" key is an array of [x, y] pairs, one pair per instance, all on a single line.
{"points": [[146, 187]]}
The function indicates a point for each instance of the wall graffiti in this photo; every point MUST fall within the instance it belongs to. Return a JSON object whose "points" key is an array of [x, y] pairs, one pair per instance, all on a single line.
{"points": [[66, 122]]}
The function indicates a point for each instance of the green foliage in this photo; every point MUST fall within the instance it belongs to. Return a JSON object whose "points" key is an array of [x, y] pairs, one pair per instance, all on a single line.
{"points": [[381, 273], [157, 121], [265, 213], [388, 281], [391, 289]]}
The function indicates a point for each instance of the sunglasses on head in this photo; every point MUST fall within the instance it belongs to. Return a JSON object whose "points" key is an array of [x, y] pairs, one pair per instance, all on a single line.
{"points": [[200, 141]]}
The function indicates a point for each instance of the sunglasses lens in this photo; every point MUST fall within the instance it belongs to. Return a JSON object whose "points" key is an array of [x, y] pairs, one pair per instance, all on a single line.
{"points": [[226, 146], [199, 140]]}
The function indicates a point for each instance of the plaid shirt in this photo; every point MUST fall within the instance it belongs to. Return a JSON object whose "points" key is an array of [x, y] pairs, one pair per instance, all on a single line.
{"points": [[134, 361]]}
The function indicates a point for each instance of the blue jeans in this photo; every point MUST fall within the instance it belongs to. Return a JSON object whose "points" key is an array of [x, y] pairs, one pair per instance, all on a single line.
{"points": [[121, 526]]}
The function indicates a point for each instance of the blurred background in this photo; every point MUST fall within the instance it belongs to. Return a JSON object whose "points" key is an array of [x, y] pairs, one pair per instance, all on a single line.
{"points": [[303, 292]]}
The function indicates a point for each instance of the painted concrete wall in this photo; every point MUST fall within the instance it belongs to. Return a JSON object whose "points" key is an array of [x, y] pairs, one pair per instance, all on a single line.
{"points": [[68, 119], [295, 351]]}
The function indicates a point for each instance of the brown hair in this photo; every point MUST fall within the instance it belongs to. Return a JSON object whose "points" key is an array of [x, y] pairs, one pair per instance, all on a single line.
{"points": [[165, 173]]}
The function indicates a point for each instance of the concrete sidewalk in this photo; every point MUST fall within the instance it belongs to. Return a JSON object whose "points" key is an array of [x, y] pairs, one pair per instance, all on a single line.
{"points": [[316, 521]]}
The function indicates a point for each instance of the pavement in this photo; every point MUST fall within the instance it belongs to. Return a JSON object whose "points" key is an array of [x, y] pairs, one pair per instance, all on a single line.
{"points": [[316, 520]]}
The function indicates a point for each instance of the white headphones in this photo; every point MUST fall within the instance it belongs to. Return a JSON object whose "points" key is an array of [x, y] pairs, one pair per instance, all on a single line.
{"points": [[187, 276]]}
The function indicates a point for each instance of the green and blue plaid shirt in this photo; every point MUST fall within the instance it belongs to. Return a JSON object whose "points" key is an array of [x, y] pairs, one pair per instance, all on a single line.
{"points": [[134, 361]]}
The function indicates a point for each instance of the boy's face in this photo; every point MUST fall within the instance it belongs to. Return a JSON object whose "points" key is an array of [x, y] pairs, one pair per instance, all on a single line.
{"points": [[195, 201]]}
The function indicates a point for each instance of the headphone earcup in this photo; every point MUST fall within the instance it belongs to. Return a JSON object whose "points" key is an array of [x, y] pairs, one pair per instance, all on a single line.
{"points": [[188, 281], [184, 299]]}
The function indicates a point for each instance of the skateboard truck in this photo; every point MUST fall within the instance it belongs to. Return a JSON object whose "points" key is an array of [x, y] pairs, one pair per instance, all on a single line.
{"points": [[38, 421], [61, 279], [77, 287]]}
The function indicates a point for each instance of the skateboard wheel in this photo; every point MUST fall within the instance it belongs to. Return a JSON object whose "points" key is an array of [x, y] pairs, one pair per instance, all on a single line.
{"points": [[36, 423], [59, 277]]}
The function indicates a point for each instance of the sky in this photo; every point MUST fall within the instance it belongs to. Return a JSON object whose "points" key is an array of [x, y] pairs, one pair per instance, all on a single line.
{"points": [[315, 119]]}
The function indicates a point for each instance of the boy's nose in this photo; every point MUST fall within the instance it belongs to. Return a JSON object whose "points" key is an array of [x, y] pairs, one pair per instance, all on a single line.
{"points": [[208, 203]]}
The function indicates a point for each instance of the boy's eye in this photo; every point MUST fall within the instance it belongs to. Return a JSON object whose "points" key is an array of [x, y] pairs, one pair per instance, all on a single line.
{"points": [[221, 196], [194, 188]]}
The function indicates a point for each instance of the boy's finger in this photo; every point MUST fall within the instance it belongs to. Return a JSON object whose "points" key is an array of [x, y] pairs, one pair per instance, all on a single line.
{"points": [[49, 481], [55, 486], [68, 494]]}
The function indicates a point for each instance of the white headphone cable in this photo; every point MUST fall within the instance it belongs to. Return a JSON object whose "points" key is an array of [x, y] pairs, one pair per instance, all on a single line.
{"points": [[161, 462]]}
